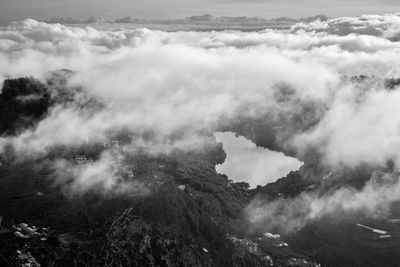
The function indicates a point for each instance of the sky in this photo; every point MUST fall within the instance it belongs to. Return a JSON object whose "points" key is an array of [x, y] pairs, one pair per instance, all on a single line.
{"points": [[41, 9]]}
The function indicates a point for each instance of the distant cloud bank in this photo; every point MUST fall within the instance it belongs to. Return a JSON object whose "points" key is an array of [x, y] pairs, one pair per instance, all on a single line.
{"points": [[205, 21]]}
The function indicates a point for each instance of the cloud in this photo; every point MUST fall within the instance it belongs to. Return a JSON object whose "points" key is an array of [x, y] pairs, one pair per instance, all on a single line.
{"points": [[101, 176], [386, 26], [172, 90], [361, 126], [292, 214], [150, 81]]}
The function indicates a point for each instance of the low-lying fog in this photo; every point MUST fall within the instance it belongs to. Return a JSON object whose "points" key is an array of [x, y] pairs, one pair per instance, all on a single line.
{"points": [[245, 162]]}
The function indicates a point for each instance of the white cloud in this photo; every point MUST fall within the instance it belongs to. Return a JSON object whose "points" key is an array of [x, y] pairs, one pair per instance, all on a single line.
{"points": [[291, 214], [152, 81], [101, 176], [175, 86]]}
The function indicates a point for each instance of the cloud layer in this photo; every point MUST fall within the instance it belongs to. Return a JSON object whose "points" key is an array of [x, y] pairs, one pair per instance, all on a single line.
{"points": [[170, 90]]}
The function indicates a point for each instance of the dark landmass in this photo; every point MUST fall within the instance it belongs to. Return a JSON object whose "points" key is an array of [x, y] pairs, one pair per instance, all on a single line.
{"points": [[192, 215]]}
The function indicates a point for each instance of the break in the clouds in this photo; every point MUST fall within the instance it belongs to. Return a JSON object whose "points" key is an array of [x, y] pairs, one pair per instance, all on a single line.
{"points": [[255, 165], [172, 90]]}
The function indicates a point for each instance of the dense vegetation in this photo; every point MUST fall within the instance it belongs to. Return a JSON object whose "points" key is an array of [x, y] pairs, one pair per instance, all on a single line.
{"points": [[23, 102], [168, 227], [187, 218]]}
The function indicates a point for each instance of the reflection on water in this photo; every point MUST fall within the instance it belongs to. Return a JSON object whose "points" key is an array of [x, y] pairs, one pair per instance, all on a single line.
{"points": [[245, 162]]}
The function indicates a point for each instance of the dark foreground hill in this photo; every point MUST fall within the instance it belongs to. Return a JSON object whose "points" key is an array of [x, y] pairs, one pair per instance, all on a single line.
{"points": [[188, 216], [182, 219], [182, 222]]}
